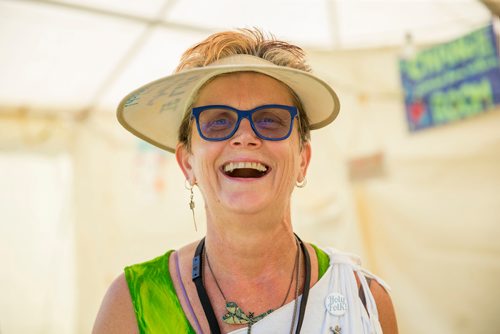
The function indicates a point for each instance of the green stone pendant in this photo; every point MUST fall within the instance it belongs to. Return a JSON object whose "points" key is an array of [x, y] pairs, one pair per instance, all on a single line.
{"points": [[236, 316]]}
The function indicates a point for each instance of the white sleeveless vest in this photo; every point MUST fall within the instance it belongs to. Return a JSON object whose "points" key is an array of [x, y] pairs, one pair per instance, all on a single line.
{"points": [[335, 293]]}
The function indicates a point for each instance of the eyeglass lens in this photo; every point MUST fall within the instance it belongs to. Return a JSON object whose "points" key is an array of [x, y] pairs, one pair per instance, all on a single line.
{"points": [[272, 122]]}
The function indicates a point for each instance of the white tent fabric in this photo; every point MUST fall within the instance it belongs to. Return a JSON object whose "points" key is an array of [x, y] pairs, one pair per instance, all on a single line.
{"points": [[73, 55], [432, 219], [428, 225]]}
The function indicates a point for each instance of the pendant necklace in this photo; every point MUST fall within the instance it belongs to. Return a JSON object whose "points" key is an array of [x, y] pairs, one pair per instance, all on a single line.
{"points": [[235, 315], [298, 312]]}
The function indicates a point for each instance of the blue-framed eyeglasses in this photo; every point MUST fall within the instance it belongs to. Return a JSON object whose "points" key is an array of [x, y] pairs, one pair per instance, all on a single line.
{"points": [[220, 122]]}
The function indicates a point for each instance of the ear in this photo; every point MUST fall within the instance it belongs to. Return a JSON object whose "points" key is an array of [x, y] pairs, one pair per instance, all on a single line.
{"points": [[183, 157], [305, 158]]}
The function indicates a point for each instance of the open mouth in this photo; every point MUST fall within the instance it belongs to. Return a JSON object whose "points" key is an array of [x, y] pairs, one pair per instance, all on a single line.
{"points": [[245, 169]]}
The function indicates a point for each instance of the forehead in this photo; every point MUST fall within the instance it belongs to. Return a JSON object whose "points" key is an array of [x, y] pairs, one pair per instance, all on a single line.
{"points": [[244, 89]]}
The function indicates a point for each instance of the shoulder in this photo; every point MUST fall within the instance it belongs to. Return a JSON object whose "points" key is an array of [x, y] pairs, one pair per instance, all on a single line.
{"points": [[140, 269], [383, 301], [116, 314], [385, 308]]}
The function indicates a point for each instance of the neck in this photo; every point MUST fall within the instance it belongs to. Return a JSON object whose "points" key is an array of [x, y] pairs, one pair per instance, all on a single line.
{"points": [[250, 248]]}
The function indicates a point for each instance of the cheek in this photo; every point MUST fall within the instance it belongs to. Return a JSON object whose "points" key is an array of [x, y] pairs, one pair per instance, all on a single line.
{"points": [[205, 155], [290, 161], [295, 151]]}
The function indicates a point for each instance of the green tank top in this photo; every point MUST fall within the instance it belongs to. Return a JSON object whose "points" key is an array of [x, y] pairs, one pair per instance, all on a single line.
{"points": [[156, 305]]}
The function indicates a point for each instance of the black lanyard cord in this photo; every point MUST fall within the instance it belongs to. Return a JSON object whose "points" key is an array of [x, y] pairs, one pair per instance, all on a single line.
{"points": [[202, 292], [307, 282], [197, 276]]}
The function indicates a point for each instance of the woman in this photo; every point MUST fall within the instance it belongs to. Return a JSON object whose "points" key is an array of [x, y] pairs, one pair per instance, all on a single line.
{"points": [[237, 114]]}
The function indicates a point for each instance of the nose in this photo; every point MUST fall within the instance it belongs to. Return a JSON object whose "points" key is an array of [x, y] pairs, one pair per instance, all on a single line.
{"points": [[245, 136]]}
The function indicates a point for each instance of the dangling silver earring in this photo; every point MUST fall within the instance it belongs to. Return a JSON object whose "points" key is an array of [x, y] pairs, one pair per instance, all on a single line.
{"points": [[302, 183], [190, 187]]}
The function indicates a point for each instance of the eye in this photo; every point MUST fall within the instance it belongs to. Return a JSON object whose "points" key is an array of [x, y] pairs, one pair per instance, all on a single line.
{"points": [[216, 120], [217, 124], [269, 120]]}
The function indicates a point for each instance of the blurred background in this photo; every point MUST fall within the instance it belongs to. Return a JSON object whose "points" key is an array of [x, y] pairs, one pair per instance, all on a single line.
{"points": [[407, 176]]}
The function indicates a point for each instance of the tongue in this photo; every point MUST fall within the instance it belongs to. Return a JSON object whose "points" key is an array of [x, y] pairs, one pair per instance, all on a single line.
{"points": [[245, 173]]}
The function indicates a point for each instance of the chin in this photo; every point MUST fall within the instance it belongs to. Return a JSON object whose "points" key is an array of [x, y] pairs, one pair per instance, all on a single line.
{"points": [[246, 203]]}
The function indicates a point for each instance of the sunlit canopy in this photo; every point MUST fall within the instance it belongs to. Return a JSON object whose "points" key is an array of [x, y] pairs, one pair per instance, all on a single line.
{"points": [[72, 55]]}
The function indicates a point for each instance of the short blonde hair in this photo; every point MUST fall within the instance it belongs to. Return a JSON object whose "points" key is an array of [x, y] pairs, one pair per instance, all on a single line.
{"points": [[246, 42]]}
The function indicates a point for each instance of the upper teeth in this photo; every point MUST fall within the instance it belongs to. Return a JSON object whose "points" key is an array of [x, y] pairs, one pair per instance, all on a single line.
{"points": [[235, 165]]}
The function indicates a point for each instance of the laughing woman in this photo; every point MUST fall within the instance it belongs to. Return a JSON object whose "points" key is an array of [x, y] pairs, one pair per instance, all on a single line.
{"points": [[237, 114]]}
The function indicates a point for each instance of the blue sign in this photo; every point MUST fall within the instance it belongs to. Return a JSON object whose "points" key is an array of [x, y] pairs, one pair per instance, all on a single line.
{"points": [[452, 81]]}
